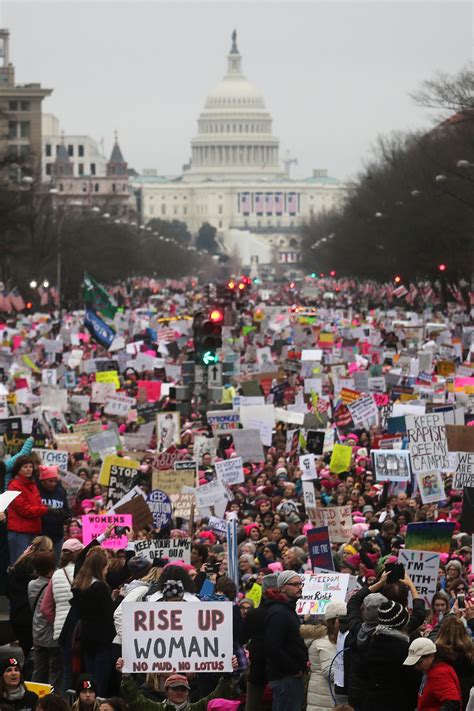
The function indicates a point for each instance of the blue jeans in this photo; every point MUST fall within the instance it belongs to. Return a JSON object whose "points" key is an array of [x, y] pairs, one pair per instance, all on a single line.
{"points": [[17, 544], [288, 693], [99, 664]]}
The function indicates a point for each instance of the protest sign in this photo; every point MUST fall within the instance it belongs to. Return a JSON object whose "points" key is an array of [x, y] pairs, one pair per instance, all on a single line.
{"points": [[315, 441], [460, 438], [172, 480], [6, 498], [134, 504], [223, 421], [204, 445], [49, 376], [210, 494], [319, 589], [467, 512], [119, 405], [95, 524], [248, 445], [391, 465], [108, 376], [54, 399], [167, 430], [53, 457], [255, 594], [431, 487], [309, 498], [73, 484], [364, 411], [340, 459], [70, 442], [320, 551], [101, 392], [462, 464], [429, 536], [427, 442], [230, 471], [183, 505], [177, 637], [308, 467], [170, 548], [114, 460], [166, 460], [159, 504], [339, 521], [218, 525], [122, 474], [105, 441], [422, 567]]}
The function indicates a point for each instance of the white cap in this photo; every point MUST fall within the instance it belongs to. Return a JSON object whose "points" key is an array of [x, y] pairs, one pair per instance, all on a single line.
{"points": [[419, 648]]}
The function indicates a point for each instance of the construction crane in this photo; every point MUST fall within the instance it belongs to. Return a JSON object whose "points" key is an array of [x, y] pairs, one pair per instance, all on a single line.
{"points": [[288, 161]]}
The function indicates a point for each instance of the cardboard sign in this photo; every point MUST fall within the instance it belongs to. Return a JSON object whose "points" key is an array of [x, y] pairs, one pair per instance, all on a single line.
{"points": [[172, 481], [211, 494], [431, 487], [422, 567], [319, 590], [105, 441], [123, 474], [339, 521], [183, 505], [462, 464], [53, 457], [230, 471], [70, 443], [137, 507], [248, 445], [320, 551], [170, 548], [460, 438], [159, 504], [119, 405], [427, 442], [177, 637], [340, 459], [93, 525], [391, 465], [308, 467], [223, 421], [429, 536]]}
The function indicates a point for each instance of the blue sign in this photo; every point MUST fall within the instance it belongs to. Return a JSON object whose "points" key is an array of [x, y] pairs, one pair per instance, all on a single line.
{"points": [[319, 545], [160, 506], [98, 329]]}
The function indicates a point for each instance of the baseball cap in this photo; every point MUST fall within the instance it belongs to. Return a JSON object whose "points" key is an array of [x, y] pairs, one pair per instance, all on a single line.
{"points": [[176, 680], [419, 648], [72, 544]]}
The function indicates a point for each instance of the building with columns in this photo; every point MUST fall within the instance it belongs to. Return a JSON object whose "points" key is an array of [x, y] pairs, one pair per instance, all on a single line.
{"points": [[234, 180]]}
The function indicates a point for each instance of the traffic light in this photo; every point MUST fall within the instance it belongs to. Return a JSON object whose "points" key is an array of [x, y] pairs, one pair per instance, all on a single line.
{"points": [[207, 336]]}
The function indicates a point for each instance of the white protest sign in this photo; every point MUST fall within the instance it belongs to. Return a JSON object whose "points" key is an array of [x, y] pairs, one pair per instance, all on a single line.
{"points": [[49, 376], [427, 442], [52, 346], [313, 385], [265, 429], [422, 567], [177, 637], [102, 391], [264, 414], [3, 407], [431, 487], [230, 471], [119, 405], [210, 494], [339, 521], [319, 590], [308, 467], [223, 421], [309, 495], [391, 465], [364, 411], [314, 354], [75, 358], [171, 548], [462, 464], [53, 457], [248, 445], [219, 525], [6, 498], [53, 399]]}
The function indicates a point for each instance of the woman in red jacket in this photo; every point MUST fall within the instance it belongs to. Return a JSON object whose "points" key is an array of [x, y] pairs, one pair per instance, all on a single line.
{"points": [[24, 512], [440, 689]]}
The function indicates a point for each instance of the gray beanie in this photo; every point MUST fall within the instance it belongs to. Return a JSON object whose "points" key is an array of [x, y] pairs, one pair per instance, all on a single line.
{"points": [[371, 606], [285, 576], [269, 581]]}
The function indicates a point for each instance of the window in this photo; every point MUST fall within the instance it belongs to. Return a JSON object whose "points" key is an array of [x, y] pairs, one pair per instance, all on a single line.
{"points": [[12, 129], [96, 187], [49, 168], [175, 211], [24, 129], [70, 151], [163, 209], [220, 209], [61, 187], [12, 151], [25, 105], [220, 223], [152, 210], [80, 151], [80, 169], [114, 187], [185, 210], [24, 151], [92, 168], [84, 187], [48, 151], [13, 105]]}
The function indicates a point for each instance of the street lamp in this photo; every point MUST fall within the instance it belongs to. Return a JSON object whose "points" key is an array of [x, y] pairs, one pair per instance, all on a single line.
{"points": [[96, 209], [464, 164], [46, 283], [33, 284], [440, 178]]}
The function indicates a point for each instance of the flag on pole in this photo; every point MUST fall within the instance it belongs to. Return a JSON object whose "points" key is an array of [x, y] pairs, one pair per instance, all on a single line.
{"points": [[97, 298], [99, 330], [16, 299]]}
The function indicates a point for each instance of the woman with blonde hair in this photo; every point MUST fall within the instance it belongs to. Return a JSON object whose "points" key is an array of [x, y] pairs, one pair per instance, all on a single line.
{"points": [[19, 576], [455, 647]]}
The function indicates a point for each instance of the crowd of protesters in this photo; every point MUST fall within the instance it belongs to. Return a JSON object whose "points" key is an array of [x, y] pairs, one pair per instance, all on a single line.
{"points": [[382, 649]]}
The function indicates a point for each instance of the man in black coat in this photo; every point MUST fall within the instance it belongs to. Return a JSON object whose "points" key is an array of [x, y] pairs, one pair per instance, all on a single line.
{"points": [[54, 496], [285, 651]]}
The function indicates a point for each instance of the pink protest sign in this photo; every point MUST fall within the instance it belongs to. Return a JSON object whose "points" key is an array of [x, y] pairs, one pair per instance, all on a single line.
{"points": [[152, 389], [95, 524]]}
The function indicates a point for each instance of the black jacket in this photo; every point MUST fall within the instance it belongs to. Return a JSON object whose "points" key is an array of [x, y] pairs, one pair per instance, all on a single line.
{"points": [[17, 592], [52, 524], [285, 650], [391, 686], [253, 629], [95, 610], [29, 702]]}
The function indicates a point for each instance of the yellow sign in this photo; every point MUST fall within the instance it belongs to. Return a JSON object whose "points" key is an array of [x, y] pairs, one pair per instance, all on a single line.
{"points": [[445, 368], [29, 364], [40, 689], [326, 337], [258, 315], [173, 481], [255, 594], [108, 376], [11, 399], [340, 459], [112, 460]]}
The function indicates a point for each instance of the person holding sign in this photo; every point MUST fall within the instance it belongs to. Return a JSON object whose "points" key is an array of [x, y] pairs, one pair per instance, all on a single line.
{"points": [[177, 692]]}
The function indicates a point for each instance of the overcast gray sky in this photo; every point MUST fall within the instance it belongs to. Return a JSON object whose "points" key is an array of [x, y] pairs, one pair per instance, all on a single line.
{"points": [[334, 74]]}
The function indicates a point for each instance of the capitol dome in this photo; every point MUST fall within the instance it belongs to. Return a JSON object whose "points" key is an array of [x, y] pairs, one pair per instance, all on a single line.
{"points": [[235, 137]]}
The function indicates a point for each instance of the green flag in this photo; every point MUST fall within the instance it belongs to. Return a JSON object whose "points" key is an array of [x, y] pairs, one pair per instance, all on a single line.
{"points": [[97, 298]]}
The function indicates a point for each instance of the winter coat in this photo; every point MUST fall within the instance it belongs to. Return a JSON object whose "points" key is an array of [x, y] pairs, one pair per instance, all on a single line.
{"points": [[52, 525], [95, 611], [390, 685], [42, 629], [464, 669], [17, 592], [28, 702], [137, 702], [441, 684], [24, 512], [10, 461], [253, 629], [62, 594], [285, 651], [77, 705], [321, 654]]}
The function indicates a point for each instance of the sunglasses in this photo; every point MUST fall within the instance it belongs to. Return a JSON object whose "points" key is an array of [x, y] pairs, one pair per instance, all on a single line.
{"points": [[296, 585], [181, 689]]}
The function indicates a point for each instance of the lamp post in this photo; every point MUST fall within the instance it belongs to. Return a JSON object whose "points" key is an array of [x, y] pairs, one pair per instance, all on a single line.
{"points": [[53, 192]]}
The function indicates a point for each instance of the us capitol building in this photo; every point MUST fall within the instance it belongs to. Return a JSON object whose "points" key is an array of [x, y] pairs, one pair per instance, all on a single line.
{"points": [[234, 180]]}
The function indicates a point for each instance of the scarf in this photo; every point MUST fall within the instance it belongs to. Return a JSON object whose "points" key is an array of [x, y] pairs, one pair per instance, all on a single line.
{"points": [[391, 632], [16, 694]]}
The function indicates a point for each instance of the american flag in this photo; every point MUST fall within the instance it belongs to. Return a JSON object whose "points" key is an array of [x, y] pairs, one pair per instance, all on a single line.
{"points": [[278, 203], [259, 203], [400, 291], [245, 205], [292, 203], [269, 203], [44, 296], [16, 299], [54, 295], [5, 304], [322, 405], [165, 335]]}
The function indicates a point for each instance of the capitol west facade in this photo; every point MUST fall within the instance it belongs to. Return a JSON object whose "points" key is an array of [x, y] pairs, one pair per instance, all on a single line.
{"points": [[234, 181]]}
